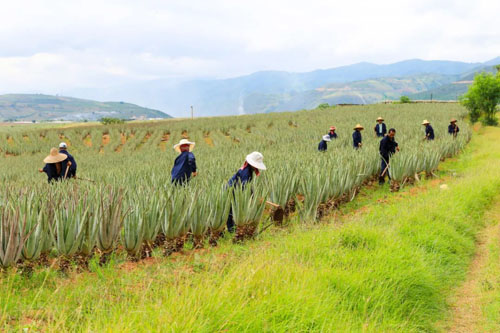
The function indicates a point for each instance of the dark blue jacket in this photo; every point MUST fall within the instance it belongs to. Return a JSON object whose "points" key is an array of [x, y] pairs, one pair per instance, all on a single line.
{"points": [[429, 132], [453, 129], [384, 130], [322, 145], [184, 166], [72, 168], [387, 147], [356, 139], [332, 135], [242, 177], [51, 170]]}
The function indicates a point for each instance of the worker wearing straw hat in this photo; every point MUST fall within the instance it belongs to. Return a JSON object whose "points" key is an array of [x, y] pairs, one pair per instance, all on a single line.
{"points": [[322, 145], [356, 136], [388, 147], [55, 163], [429, 131], [332, 133], [71, 171], [253, 164], [185, 164], [380, 129], [453, 128]]}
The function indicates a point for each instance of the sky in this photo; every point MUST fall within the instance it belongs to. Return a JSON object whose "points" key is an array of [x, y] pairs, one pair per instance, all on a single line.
{"points": [[52, 46]]}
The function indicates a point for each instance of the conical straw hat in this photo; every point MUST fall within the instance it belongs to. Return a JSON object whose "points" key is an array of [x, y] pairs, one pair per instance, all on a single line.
{"points": [[425, 122], [177, 147], [54, 157], [358, 126], [380, 118], [453, 120]]}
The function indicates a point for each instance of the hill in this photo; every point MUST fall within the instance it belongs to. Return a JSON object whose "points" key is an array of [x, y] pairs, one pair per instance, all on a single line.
{"points": [[358, 92], [263, 91], [29, 107], [453, 90]]}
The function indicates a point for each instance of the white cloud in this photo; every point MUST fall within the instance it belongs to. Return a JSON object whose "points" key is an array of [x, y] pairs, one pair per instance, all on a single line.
{"points": [[53, 45]]}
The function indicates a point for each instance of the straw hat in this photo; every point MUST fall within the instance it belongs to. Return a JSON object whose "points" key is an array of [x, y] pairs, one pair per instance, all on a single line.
{"points": [[380, 118], [256, 160], [54, 157], [332, 128], [425, 122], [453, 120], [358, 126], [63, 145], [177, 147], [326, 137]]}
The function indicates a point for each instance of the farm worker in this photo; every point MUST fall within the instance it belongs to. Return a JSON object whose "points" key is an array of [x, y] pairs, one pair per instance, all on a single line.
{"points": [[322, 145], [71, 173], [254, 162], [55, 165], [332, 133], [429, 131], [388, 147], [356, 136], [453, 128], [380, 129], [185, 164]]}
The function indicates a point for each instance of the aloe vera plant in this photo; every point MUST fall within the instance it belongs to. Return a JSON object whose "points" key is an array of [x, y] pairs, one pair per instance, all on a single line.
{"points": [[109, 220], [133, 232], [12, 236], [248, 206]]}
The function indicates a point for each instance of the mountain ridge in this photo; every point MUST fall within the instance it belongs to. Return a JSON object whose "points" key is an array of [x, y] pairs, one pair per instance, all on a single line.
{"points": [[227, 96], [42, 107]]}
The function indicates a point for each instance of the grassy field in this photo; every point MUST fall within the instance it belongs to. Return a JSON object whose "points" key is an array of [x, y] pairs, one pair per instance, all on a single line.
{"points": [[384, 262]]}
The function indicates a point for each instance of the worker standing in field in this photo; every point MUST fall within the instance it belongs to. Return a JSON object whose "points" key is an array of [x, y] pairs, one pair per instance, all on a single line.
{"points": [[332, 133], [253, 164], [322, 145], [380, 129], [356, 136], [429, 131], [185, 164], [71, 171], [453, 128], [388, 147], [55, 164]]}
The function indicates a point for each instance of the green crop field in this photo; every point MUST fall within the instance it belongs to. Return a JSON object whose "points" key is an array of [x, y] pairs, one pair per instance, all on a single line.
{"points": [[126, 201], [390, 270]]}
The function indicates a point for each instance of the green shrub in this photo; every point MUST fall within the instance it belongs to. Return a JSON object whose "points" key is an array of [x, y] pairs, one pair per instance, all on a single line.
{"points": [[404, 99], [109, 121]]}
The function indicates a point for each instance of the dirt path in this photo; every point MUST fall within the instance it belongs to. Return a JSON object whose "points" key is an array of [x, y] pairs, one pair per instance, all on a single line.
{"points": [[467, 316]]}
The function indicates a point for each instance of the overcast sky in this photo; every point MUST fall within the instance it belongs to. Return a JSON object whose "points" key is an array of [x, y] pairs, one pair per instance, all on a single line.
{"points": [[51, 46]]}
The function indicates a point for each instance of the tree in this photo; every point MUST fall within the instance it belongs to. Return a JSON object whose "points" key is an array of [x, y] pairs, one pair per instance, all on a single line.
{"points": [[482, 98], [404, 99], [109, 121], [323, 106]]}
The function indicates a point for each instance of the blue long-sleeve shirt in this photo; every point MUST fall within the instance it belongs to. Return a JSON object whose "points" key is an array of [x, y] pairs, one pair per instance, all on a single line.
{"points": [[356, 139], [322, 146], [184, 166], [387, 147], [453, 129], [72, 168], [51, 170], [429, 132], [332, 135], [381, 131], [242, 176]]}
